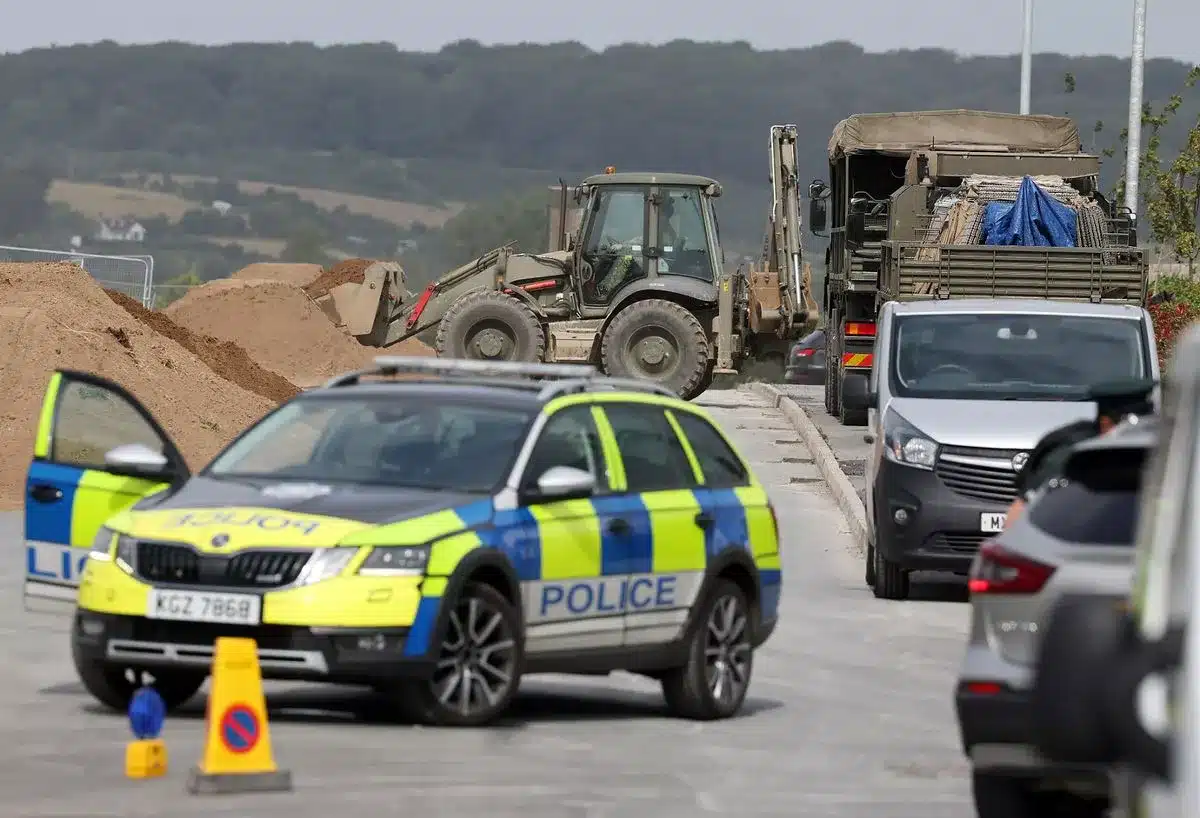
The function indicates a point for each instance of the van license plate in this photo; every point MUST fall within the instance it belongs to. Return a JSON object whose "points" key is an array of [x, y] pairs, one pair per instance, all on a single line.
{"points": [[196, 606], [991, 523]]}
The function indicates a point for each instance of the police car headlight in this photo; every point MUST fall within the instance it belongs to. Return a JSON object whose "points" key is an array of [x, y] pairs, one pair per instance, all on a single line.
{"points": [[126, 553], [325, 563], [102, 545], [393, 560], [906, 444]]}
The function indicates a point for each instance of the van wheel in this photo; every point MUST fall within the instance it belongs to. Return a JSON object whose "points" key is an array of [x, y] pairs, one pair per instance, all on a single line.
{"points": [[870, 565], [714, 682], [891, 580], [478, 667], [110, 684]]}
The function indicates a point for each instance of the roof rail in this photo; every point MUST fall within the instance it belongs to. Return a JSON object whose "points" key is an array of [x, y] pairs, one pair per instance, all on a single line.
{"points": [[469, 367], [598, 382], [566, 378]]}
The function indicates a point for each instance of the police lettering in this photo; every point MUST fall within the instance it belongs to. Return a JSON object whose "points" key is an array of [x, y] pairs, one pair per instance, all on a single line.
{"points": [[242, 519], [597, 597]]}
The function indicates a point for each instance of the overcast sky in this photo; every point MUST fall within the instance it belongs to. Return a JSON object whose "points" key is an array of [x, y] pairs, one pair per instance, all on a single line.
{"points": [[967, 26]]}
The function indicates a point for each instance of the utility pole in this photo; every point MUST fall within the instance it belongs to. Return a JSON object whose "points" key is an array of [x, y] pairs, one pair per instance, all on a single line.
{"points": [[1027, 57], [1133, 145]]}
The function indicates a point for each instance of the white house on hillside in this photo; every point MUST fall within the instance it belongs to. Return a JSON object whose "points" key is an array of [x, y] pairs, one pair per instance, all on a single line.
{"points": [[120, 230]]}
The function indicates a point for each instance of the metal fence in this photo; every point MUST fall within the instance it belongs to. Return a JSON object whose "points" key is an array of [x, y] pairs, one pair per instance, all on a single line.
{"points": [[132, 275]]}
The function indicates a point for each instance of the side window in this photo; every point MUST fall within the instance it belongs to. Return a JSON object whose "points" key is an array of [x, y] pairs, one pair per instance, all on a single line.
{"points": [[653, 458], [722, 468], [569, 438], [90, 420], [1074, 514]]}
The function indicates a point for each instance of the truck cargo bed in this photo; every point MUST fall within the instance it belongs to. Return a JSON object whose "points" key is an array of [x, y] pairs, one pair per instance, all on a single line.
{"points": [[917, 270]]}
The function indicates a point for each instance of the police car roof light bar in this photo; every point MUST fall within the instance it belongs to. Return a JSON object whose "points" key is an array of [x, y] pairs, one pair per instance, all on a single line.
{"points": [[400, 365]]}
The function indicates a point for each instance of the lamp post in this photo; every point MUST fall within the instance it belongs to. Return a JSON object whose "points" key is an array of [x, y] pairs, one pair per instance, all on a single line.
{"points": [[1133, 145], [1027, 57]]}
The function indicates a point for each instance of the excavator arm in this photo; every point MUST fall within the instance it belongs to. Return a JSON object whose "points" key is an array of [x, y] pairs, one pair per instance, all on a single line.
{"points": [[780, 286]]}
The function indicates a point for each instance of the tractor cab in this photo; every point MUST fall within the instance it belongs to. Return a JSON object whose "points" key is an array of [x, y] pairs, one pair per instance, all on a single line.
{"points": [[640, 231]]}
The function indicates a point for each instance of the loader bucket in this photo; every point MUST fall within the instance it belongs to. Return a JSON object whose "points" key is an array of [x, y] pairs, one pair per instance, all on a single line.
{"points": [[359, 307]]}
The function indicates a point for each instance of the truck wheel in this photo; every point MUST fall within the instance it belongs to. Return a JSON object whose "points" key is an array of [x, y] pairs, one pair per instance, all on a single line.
{"points": [[659, 341], [491, 326]]}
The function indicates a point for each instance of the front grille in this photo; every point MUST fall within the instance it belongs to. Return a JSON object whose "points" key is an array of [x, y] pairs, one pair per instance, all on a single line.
{"points": [[957, 541], [169, 564], [204, 633], [995, 482]]}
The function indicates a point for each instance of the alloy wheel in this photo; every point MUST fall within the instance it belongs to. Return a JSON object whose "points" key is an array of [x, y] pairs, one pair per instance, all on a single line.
{"points": [[727, 652], [476, 662]]}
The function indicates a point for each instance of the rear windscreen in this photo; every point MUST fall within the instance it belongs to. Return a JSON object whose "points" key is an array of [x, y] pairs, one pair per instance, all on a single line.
{"points": [[1073, 513]]}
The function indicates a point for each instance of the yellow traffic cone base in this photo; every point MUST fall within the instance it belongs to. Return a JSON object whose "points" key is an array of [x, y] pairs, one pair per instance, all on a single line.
{"points": [[237, 744]]}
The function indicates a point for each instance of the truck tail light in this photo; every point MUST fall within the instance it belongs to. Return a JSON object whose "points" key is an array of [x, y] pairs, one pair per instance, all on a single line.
{"points": [[999, 571]]}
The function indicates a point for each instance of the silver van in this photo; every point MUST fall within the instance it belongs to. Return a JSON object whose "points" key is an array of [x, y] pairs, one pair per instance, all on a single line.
{"points": [[960, 393]]}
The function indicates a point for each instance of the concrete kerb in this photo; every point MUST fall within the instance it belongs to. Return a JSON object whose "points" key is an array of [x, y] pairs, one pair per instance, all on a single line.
{"points": [[840, 487]]}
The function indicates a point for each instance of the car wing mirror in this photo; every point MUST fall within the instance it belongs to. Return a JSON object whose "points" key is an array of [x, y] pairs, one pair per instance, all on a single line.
{"points": [[138, 460], [561, 483]]}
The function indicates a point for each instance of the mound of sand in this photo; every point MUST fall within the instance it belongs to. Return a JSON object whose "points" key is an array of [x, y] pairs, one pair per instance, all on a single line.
{"points": [[349, 271], [277, 323], [56, 316], [299, 274]]}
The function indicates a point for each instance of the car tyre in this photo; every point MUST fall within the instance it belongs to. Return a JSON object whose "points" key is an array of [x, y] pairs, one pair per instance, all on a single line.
{"points": [[110, 685], [870, 565], [479, 663], [1010, 796], [891, 580], [720, 658]]}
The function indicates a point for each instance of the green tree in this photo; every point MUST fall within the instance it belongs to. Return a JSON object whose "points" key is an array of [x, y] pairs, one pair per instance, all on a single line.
{"points": [[306, 246], [1173, 195]]}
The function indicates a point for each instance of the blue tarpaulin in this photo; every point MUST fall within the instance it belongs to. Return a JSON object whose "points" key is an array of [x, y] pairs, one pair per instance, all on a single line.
{"points": [[1036, 219]]}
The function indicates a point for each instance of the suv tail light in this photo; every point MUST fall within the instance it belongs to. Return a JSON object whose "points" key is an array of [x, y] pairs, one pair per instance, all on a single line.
{"points": [[999, 571]]}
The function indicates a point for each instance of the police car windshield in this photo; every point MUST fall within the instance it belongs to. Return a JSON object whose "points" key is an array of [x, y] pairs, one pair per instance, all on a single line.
{"points": [[1013, 356], [389, 440]]}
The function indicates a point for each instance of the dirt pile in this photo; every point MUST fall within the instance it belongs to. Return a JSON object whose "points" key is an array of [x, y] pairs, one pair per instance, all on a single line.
{"points": [[299, 274], [277, 323], [56, 316], [349, 271], [225, 358]]}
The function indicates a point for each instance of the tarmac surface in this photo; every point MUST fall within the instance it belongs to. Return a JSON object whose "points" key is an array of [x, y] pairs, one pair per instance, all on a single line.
{"points": [[849, 713]]}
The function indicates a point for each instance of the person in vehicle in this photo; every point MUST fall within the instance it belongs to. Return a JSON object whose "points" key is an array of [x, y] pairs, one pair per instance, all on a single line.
{"points": [[1115, 401]]}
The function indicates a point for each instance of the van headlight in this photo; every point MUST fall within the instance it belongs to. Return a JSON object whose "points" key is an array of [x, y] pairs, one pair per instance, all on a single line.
{"points": [[906, 444]]}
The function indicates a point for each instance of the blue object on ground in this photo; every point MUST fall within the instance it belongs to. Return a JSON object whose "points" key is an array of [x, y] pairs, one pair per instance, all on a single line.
{"points": [[147, 712], [1036, 219]]}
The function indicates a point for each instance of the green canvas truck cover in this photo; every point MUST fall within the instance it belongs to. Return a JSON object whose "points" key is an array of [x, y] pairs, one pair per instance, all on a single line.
{"points": [[902, 133]]}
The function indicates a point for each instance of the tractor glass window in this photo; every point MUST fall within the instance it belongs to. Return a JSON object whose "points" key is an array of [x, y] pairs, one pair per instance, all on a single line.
{"points": [[681, 235], [615, 243]]}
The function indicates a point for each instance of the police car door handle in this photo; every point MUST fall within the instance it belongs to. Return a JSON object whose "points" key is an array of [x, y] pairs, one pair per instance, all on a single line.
{"points": [[704, 520], [619, 526], [43, 493]]}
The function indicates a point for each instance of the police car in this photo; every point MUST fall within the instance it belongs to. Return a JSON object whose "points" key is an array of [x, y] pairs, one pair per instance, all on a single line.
{"points": [[436, 537]]}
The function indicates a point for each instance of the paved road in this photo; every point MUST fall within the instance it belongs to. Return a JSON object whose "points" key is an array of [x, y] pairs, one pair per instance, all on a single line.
{"points": [[849, 714], [846, 441]]}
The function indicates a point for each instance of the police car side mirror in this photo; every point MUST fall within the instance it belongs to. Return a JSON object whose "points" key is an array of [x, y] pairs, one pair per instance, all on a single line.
{"points": [[138, 460], [1088, 695], [562, 483]]}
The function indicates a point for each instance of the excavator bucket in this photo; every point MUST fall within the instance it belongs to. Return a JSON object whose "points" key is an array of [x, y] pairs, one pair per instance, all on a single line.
{"points": [[357, 307]]}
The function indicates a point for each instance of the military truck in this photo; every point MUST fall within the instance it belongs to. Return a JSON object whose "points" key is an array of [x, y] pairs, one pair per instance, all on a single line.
{"points": [[902, 212], [633, 283]]}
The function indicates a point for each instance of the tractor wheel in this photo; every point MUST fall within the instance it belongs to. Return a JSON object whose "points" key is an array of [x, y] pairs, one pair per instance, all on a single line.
{"points": [[704, 384], [490, 326], [659, 341]]}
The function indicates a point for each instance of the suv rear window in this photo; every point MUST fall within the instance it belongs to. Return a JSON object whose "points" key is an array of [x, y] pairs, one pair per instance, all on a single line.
{"points": [[1076, 514]]}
